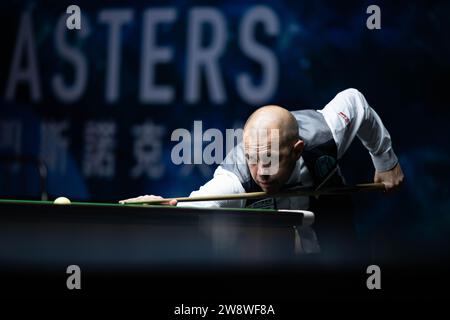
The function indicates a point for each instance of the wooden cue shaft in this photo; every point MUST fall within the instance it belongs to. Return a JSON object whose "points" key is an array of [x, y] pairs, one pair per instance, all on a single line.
{"points": [[262, 194]]}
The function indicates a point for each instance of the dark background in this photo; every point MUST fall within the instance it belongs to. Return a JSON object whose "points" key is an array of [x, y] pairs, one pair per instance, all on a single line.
{"points": [[322, 48]]}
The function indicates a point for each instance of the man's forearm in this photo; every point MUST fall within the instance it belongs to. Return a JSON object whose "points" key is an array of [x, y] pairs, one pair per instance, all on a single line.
{"points": [[223, 182], [349, 115]]}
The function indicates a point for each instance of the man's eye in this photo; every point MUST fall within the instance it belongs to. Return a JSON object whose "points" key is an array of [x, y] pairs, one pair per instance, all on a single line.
{"points": [[251, 158]]}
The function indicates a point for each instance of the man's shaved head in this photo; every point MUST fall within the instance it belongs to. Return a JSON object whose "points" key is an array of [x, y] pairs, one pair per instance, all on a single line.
{"points": [[271, 140], [274, 117]]}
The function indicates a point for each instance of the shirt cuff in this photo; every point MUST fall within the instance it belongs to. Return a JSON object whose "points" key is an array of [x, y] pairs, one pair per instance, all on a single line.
{"points": [[384, 161]]}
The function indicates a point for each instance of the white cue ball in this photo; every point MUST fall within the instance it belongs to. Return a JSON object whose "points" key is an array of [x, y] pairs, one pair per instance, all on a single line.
{"points": [[61, 200]]}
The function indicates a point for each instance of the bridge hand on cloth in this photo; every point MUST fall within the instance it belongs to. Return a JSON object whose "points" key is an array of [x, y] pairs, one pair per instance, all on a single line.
{"points": [[145, 198]]}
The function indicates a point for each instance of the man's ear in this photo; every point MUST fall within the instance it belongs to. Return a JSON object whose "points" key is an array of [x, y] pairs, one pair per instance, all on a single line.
{"points": [[298, 148]]}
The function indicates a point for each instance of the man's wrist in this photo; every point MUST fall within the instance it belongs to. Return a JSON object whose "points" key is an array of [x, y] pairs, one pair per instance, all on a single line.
{"points": [[384, 161]]}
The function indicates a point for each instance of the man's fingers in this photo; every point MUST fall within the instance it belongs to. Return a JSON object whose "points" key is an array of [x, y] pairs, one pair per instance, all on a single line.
{"points": [[172, 202], [377, 179], [388, 186], [127, 200], [392, 179], [140, 199]]}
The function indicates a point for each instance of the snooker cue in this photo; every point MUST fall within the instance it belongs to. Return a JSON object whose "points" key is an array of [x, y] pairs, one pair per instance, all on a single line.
{"points": [[261, 194]]}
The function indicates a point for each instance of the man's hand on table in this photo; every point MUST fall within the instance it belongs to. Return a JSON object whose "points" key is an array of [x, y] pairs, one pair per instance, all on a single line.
{"points": [[148, 198], [392, 179]]}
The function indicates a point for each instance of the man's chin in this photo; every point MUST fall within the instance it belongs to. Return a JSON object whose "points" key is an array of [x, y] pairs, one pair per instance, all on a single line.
{"points": [[269, 188]]}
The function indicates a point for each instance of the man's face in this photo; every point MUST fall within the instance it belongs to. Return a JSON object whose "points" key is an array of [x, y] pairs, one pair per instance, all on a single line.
{"points": [[269, 160]]}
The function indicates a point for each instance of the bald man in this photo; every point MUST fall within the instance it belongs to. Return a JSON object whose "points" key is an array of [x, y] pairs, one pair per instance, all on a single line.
{"points": [[310, 143], [283, 150]]}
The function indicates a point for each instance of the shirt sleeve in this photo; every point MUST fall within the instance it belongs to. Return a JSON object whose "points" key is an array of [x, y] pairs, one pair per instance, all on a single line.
{"points": [[349, 115], [223, 182]]}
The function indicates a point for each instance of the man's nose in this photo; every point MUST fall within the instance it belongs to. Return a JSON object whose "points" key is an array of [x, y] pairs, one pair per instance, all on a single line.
{"points": [[263, 169]]}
